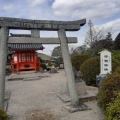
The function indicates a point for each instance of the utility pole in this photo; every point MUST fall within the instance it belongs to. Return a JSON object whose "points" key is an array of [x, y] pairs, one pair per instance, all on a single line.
{"points": [[91, 32]]}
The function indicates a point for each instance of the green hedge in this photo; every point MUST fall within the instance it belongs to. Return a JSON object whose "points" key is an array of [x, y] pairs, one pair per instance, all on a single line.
{"points": [[3, 115], [117, 70], [43, 66], [91, 67], [107, 89], [116, 54], [113, 110], [78, 59]]}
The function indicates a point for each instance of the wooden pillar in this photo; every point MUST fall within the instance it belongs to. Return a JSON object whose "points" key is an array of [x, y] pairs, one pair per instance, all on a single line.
{"points": [[38, 63], [4, 32], [39, 66], [13, 63], [17, 62], [21, 56], [30, 56], [35, 62]]}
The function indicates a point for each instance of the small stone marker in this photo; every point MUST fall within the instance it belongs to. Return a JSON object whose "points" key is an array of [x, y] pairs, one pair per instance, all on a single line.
{"points": [[105, 65], [105, 62]]}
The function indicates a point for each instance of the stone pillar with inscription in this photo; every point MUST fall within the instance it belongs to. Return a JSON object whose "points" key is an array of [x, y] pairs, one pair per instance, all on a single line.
{"points": [[105, 66], [4, 32], [105, 62]]}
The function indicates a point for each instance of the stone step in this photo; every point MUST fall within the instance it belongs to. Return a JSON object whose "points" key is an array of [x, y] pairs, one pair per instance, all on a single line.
{"points": [[31, 78], [83, 98], [27, 76], [88, 97]]}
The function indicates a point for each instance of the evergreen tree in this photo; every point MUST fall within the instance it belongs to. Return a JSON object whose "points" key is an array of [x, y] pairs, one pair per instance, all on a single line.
{"points": [[109, 36], [57, 55]]}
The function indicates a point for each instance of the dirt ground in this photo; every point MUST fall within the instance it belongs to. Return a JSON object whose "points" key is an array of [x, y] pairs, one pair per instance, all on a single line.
{"points": [[38, 100]]}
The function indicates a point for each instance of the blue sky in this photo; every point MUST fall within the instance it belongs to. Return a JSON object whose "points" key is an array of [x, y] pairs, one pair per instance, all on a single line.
{"points": [[102, 13]]}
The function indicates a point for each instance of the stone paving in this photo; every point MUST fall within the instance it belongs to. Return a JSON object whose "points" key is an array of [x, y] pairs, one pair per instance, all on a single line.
{"points": [[33, 98]]}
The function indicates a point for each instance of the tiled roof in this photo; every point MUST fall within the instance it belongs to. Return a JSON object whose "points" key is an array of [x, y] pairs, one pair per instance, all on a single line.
{"points": [[44, 56], [26, 47]]}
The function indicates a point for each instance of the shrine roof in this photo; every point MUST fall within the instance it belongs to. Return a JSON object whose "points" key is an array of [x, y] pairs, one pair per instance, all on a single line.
{"points": [[26, 47]]}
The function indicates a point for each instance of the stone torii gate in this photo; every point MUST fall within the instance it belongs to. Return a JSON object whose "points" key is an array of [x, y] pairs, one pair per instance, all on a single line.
{"points": [[35, 26]]}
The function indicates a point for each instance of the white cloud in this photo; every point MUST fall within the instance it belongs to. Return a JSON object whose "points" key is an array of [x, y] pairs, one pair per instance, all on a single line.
{"points": [[8, 7], [90, 9], [66, 10], [34, 3], [113, 26]]}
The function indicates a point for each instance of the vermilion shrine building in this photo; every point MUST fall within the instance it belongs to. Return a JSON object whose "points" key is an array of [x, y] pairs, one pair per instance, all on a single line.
{"points": [[25, 57]]}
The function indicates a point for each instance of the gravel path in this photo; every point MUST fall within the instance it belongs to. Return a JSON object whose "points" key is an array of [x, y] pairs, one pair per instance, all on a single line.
{"points": [[38, 100]]}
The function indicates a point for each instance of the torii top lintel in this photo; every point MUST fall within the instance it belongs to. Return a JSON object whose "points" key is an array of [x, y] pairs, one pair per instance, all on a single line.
{"points": [[18, 23]]}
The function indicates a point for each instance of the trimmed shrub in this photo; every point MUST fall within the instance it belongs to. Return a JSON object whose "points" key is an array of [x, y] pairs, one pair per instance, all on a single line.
{"points": [[117, 70], [78, 59], [3, 115], [91, 67], [113, 109], [43, 66], [116, 54], [108, 87], [93, 52], [115, 64], [89, 53]]}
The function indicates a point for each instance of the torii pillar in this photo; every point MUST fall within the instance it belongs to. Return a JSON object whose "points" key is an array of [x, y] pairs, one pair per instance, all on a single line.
{"points": [[4, 32], [68, 68]]}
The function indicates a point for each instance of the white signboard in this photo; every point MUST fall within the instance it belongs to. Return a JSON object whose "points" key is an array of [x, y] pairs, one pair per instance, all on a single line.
{"points": [[105, 62]]}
